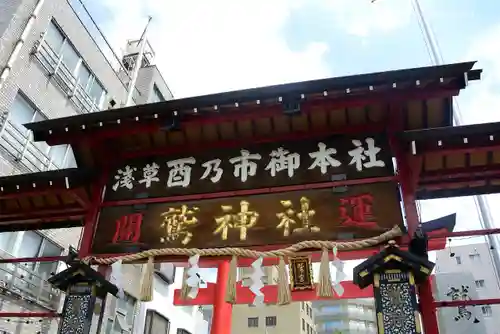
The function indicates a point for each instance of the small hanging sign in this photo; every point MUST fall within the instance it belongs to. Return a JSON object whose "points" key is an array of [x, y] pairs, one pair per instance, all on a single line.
{"points": [[301, 274]]}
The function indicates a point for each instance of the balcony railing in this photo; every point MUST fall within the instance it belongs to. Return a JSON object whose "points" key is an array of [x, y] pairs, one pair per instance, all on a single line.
{"points": [[62, 76], [21, 281], [24, 150]]}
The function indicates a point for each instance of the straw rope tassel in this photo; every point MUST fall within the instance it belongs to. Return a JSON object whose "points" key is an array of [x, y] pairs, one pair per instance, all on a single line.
{"points": [[185, 288], [324, 288], [231, 281], [146, 293], [284, 294]]}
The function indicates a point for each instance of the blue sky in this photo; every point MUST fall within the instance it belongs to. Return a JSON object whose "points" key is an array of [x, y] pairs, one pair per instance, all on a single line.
{"points": [[212, 46]]}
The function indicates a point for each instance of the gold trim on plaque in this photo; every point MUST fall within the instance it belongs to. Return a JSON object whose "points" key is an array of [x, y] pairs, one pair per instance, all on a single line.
{"points": [[376, 280], [393, 257], [292, 265], [411, 278], [425, 270], [392, 271], [418, 326], [380, 323]]}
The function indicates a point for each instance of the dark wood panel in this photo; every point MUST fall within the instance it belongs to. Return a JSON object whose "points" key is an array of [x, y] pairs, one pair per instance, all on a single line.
{"points": [[360, 211], [257, 166]]}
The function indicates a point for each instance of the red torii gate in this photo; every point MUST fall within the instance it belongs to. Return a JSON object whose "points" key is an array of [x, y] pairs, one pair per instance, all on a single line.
{"points": [[414, 107]]}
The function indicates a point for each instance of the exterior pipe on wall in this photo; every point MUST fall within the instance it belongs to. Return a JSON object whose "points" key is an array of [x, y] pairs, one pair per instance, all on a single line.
{"points": [[20, 43]]}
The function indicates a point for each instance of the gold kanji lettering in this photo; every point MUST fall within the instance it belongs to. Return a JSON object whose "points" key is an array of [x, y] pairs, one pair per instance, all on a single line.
{"points": [[242, 220], [288, 217], [176, 222]]}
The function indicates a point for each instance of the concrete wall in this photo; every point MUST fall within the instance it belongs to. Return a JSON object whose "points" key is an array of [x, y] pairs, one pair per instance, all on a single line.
{"points": [[29, 77], [346, 314], [147, 78], [188, 318], [7, 10], [27, 74], [446, 315], [469, 265]]}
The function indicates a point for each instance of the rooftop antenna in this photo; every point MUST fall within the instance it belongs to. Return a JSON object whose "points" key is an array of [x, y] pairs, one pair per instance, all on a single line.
{"points": [[137, 65]]}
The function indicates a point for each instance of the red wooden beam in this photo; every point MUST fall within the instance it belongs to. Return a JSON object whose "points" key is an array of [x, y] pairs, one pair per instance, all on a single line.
{"points": [[42, 219], [459, 149], [34, 259], [126, 127], [46, 213], [249, 192], [40, 191], [29, 315], [79, 197], [224, 144], [444, 233], [460, 173], [472, 302], [245, 296]]}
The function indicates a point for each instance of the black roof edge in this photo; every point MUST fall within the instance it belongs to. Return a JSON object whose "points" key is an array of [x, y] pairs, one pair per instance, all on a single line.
{"points": [[71, 173], [450, 131], [261, 93]]}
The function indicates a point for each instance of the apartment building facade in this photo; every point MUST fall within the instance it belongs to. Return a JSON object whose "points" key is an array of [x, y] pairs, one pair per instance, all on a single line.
{"points": [[355, 316], [53, 65], [464, 272], [295, 318]]}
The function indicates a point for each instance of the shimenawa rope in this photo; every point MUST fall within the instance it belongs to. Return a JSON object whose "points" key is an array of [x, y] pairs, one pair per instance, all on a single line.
{"points": [[323, 288]]}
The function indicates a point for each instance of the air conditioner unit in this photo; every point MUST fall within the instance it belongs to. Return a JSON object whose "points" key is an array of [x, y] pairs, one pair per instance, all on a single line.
{"points": [[166, 271]]}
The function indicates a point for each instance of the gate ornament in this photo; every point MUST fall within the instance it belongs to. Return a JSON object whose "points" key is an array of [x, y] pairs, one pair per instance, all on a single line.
{"points": [[393, 274], [325, 287]]}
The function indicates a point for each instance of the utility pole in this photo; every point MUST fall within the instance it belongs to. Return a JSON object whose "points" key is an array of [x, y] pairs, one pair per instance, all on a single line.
{"points": [[480, 201], [137, 65]]}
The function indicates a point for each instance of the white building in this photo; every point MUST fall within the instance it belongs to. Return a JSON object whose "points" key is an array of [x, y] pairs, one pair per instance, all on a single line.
{"points": [[345, 316], [468, 266], [54, 64]]}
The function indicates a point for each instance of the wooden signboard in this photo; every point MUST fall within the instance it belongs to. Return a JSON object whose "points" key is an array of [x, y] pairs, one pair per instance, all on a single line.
{"points": [[256, 166], [269, 219]]}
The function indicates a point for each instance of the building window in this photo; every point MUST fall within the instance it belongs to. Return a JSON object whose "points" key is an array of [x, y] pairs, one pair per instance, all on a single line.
{"points": [[17, 139], [475, 257], [480, 283], [29, 277], [124, 314], [67, 68], [302, 304], [271, 321], [182, 331], [331, 309], [486, 309], [35, 245], [458, 259], [303, 325], [253, 322], [332, 325], [156, 323], [157, 95]]}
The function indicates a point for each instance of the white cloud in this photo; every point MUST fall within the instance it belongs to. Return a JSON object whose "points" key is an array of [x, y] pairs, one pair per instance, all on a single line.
{"points": [[363, 18], [212, 46], [479, 102]]}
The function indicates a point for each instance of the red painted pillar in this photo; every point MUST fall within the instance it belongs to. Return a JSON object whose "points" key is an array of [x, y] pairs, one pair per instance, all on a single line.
{"points": [[222, 314], [427, 308], [408, 171], [90, 222]]}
